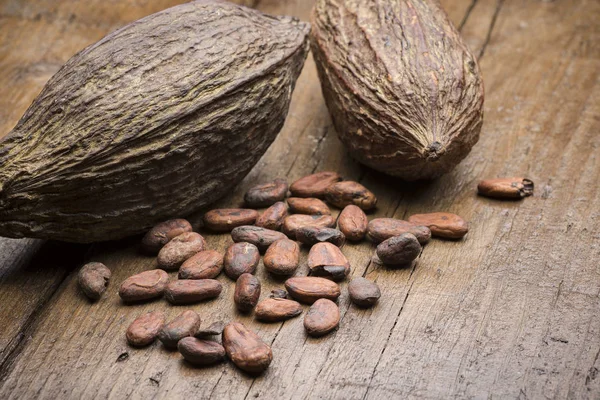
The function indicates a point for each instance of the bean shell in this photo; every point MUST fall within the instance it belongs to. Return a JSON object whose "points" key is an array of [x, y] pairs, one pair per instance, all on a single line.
{"points": [[506, 188], [240, 258], [322, 317], [201, 352], [282, 257], [93, 279], [145, 328], [442, 224], [308, 289], [278, 294], [206, 264], [192, 291], [246, 349], [294, 222], [273, 217], [266, 194], [214, 329], [225, 219], [260, 237], [162, 233], [314, 185], [327, 260], [274, 310], [380, 229], [353, 222], [399, 250], [363, 292], [179, 249], [247, 292], [310, 236], [144, 286], [185, 324], [309, 206]]}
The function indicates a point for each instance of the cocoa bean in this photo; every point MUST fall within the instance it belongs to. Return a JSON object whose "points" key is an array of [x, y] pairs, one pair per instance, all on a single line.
{"points": [[353, 222], [192, 291], [309, 206], [308, 289], [247, 292], [314, 185], [225, 219], [240, 258], [278, 294], [179, 249], [206, 264], [201, 352], [144, 330], [185, 324], [144, 286], [442, 224], [328, 261], [363, 292], [93, 279], [266, 194], [274, 310], [294, 222], [260, 237], [380, 229], [310, 236], [214, 329], [246, 349], [273, 217], [342, 194], [506, 188], [162, 233], [282, 257], [322, 317], [399, 250]]}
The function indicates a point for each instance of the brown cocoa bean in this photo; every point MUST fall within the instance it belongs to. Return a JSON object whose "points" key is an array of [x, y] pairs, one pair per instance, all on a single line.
{"points": [[278, 294], [308, 206], [179, 249], [442, 224], [185, 324], [214, 329], [192, 291], [247, 292], [273, 217], [246, 349], [201, 352], [322, 317], [93, 279], [342, 194], [328, 261], [399, 250], [363, 292], [260, 237], [266, 194], [506, 188], [206, 264], [274, 310], [353, 222], [144, 286], [225, 219], [308, 289], [162, 233], [310, 236], [144, 330], [282, 257], [380, 229], [240, 258], [294, 222], [314, 185]]}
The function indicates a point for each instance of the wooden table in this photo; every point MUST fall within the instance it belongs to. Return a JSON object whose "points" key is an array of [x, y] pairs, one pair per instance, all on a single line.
{"points": [[509, 312]]}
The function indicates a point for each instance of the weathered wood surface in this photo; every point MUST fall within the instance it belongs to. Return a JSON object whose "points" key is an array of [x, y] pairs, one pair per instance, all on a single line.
{"points": [[509, 312]]}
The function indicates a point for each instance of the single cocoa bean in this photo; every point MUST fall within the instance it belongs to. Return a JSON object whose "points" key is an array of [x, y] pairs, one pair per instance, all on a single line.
{"points": [[363, 292], [144, 286], [282, 257], [353, 222], [266, 194], [314, 185], [442, 224], [273, 217], [322, 317], [328, 261], [240, 258], [274, 310], [278, 294], [399, 250], [93, 279], [310, 236], [185, 324], [342, 194], [204, 265], [309, 206], [192, 291], [380, 229], [162, 233], [225, 219], [201, 352], [260, 237], [308, 289], [294, 222], [247, 292], [144, 330], [179, 249], [214, 329], [246, 349], [506, 188]]}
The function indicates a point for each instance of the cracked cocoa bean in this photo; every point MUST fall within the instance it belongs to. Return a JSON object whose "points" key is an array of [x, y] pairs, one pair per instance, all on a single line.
{"points": [[246, 349], [247, 292], [144, 286], [179, 249], [322, 317], [189, 291], [273, 217], [380, 229], [282, 257], [275, 310], [308, 206], [353, 222], [185, 324], [278, 294], [310, 236], [294, 222], [260, 237], [399, 250], [314, 185], [328, 261], [225, 219], [506, 188], [442, 224], [162, 233], [342, 194], [240, 258], [93, 279], [308, 289], [266, 194], [201, 352], [214, 329], [206, 264], [363, 292], [145, 328]]}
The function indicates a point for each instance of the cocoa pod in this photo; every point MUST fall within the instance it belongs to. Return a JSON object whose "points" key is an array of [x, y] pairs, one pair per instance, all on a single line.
{"points": [[308, 289], [353, 223], [314, 185], [247, 292], [201, 352], [145, 328], [275, 310], [322, 317], [179, 249], [225, 219], [131, 130], [282, 257], [206, 264], [246, 349], [192, 291], [442, 224], [93, 279], [294, 222], [162, 233], [214, 329], [310, 236], [309, 206], [506, 188], [328, 261], [403, 90], [240, 258], [399, 250], [278, 294], [380, 229], [144, 286], [342, 194], [273, 217], [363, 292], [266, 194], [260, 237], [185, 324]]}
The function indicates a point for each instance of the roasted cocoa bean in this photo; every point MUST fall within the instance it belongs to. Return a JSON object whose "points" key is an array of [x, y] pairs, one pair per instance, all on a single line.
{"points": [[328, 261], [240, 258], [162, 233], [214, 329], [189, 291], [144, 330], [266, 194], [204, 265], [309, 206], [273, 217], [93, 279], [363, 292], [314, 185], [225, 219], [260, 237], [274, 310], [310, 236], [201, 352], [322, 317], [380, 229], [294, 222], [278, 294], [144, 286], [353, 222], [399, 250], [282, 257], [247, 292], [179, 249], [246, 349], [506, 188], [185, 324], [442, 224], [308, 289], [342, 194]]}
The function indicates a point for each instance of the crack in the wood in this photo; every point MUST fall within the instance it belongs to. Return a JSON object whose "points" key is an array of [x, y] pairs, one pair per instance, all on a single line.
{"points": [[491, 28], [318, 145], [467, 14]]}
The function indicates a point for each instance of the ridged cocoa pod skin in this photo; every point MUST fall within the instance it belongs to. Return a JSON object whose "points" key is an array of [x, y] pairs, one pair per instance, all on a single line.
{"points": [[247, 292], [308, 289], [93, 279], [225, 219], [380, 229], [206, 264], [201, 352], [273, 217], [442, 224], [179, 249], [146, 285], [399, 250], [246, 349], [328, 261], [275, 310], [282, 257], [310, 236], [145, 328], [403, 90], [322, 317], [342, 194], [363, 292], [353, 223], [266, 194], [240, 258], [189, 291], [506, 188], [146, 112], [185, 324], [294, 222], [162, 233], [308, 205], [314, 185], [260, 237]]}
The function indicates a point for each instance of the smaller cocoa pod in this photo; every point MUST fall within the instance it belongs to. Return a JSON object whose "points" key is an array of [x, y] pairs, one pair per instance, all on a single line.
{"points": [[144, 286], [274, 310], [214, 329], [308, 289], [247, 292], [93, 279], [380, 229], [273, 217], [309, 206], [342, 194], [260, 237], [506, 188], [201, 352], [399, 250], [206, 264], [144, 330], [282, 257], [246, 349], [314, 185], [240, 258], [294, 222], [278, 294], [442, 224], [185, 324], [192, 291], [266, 194], [322, 317], [363, 292], [353, 222], [328, 261], [162, 233], [225, 219], [310, 236], [179, 249]]}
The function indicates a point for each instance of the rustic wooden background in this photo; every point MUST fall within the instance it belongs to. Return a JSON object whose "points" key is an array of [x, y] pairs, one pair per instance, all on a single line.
{"points": [[509, 312]]}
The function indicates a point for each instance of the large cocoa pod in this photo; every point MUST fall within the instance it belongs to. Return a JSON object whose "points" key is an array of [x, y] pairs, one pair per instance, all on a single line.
{"points": [[403, 90], [156, 120]]}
